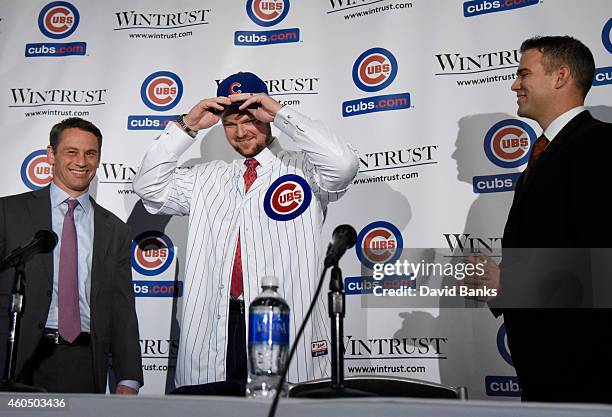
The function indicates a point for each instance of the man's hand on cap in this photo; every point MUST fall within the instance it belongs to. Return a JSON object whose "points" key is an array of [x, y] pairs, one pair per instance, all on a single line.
{"points": [[261, 106], [206, 113]]}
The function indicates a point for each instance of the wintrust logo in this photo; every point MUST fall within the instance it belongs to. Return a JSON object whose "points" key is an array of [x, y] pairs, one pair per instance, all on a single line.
{"points": [[491, 67], [290, 90], [57, 20], [146, 25], [57, 101]]}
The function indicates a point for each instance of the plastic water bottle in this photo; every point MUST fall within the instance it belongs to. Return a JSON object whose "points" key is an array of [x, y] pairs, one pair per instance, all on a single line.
{"points": [[268, 341]]}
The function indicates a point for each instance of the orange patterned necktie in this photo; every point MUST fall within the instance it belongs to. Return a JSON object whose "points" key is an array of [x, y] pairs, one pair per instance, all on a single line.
{"points": [[237, 286], [538, 147]]}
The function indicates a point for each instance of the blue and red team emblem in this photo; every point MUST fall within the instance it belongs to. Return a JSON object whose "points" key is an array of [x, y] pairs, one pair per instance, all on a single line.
{"points": [[267, 12], [152, 253], [606, 35], [374, 70], [287, 198], [36, 170], [379, 242], [508, 143], [161, 90], [58, 20], [502, 344], [234, 88]]}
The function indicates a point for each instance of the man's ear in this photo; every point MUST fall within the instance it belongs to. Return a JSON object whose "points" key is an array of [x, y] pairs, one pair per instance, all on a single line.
{"points": [[563, 76]]}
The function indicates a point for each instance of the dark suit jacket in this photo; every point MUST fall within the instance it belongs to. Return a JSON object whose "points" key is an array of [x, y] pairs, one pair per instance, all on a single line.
{"points": [[114, 326], [561, 354]]}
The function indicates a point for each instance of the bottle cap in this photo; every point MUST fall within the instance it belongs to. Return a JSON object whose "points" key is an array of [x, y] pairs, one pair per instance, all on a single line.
{"points": [[269, 281]]}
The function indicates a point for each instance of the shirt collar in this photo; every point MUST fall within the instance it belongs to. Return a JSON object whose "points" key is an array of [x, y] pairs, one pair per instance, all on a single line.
{"points": [[267, 156], [59, 196], [559, 123]]}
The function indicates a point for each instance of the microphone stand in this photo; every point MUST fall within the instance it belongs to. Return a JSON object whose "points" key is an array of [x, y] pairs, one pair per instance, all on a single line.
{"points": [[12, 343], [336, 307]]}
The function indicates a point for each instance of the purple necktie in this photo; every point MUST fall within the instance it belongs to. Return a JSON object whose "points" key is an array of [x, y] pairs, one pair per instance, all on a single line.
{"points": [[69, 320]]}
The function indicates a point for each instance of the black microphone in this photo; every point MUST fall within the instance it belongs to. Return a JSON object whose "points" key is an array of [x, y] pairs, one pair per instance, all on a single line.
{"points": [[44, 241], [343, 238]]}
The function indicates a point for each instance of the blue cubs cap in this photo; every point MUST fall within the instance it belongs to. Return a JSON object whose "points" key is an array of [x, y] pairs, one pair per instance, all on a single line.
{"points": [[241, 82]]}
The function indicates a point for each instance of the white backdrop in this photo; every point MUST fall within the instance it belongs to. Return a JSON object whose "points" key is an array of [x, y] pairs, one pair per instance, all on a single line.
{"points": [[447, 65]]}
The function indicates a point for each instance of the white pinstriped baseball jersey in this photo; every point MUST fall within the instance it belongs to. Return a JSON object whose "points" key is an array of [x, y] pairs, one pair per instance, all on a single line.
{"points": [[276, 237]]}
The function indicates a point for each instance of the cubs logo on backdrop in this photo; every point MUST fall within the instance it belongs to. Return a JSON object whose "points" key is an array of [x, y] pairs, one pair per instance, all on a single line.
{"points": [[503, 385], [606, 35], [267, 13], [36, 170], [478, 7], [379, 242], [507, 144], [375, 69], [287, 198], [603, 75], [57, 20], [160, 91], [152, 255], [502, 345]]}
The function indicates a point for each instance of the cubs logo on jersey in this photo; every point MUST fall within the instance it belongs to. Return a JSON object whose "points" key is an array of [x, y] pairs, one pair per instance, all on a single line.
{"points": [[287, 198]]}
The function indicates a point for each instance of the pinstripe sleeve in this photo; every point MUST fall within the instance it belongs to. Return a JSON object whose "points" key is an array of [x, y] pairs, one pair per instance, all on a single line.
{"points": [[334, 162], [164, 188]]}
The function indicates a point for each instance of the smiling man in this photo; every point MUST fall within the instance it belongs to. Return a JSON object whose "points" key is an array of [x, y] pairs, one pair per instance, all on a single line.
{"points": [[559, 348], [259, 215], [79, 305]]}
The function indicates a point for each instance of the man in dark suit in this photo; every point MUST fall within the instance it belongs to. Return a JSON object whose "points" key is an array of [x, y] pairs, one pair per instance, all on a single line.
{"points": [[560, 347], [79, 305]]}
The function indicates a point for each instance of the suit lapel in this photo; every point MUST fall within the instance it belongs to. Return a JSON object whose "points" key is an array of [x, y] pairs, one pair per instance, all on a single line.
{"points": [[39, 213], [559, 141], [101, 244]]}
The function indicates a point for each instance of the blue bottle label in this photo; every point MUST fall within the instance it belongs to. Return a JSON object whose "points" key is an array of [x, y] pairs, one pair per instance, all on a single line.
{"points": [[269, 328]]}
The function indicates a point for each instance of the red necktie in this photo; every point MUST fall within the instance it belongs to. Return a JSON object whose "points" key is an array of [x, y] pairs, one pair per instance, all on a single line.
{"points": [[69, 315], [538, 147], [237, 285]]}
